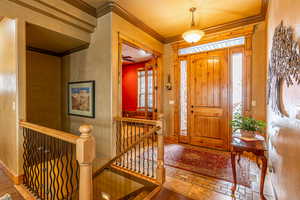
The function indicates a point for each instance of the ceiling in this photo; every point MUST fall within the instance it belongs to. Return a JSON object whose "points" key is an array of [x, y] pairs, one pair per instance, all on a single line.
{"points": [[171, 17], [133, 55], [45, 39]]}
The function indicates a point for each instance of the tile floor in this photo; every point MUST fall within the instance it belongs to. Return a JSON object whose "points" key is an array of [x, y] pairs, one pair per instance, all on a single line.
{"points": [[198, 187], [7, 187]]}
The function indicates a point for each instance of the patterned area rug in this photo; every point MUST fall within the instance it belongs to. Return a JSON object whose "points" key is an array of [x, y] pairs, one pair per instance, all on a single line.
{"points": [[207, 162]]}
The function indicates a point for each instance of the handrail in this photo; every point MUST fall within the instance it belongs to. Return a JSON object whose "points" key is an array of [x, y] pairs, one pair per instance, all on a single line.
{"points": [[147, 135], [84, 146], [67, 137], [134, 120]]}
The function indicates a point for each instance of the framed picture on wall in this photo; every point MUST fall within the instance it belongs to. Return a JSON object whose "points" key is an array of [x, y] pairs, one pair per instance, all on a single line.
{"points": [[81, 98]]}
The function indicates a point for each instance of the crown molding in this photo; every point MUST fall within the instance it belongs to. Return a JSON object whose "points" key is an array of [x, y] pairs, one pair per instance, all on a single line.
{"points": [[114, 7], [222, 27], [230, 25], [117, 9], [85, 26], [83, 6]]}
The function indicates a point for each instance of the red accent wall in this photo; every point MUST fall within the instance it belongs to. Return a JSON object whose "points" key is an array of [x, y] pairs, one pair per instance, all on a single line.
{"points": [[130, 86]]}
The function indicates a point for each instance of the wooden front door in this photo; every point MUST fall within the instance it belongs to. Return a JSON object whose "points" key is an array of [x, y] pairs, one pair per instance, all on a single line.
{"points": [[208, 100]]}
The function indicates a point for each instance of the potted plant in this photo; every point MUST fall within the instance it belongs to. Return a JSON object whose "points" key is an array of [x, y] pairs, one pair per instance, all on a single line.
{"points": [[248, 126]]}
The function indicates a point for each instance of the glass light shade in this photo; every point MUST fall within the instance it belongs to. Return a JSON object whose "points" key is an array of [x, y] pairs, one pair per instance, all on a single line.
{"points": [[193, 35]]}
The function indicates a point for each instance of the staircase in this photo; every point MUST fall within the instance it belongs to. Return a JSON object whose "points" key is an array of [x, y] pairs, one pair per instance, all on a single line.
{"points": [[137, 171], [58, 165]]}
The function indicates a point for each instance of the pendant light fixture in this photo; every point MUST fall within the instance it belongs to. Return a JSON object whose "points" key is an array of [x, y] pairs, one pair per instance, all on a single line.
{"points": [[194, 34]]}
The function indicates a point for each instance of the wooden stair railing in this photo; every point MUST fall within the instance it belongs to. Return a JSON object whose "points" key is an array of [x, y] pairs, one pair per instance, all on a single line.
{"points": [[58, 165], [139, 149]]}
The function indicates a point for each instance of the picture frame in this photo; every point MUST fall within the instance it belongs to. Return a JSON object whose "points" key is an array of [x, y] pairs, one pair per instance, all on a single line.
{"points": [[81, 99]]}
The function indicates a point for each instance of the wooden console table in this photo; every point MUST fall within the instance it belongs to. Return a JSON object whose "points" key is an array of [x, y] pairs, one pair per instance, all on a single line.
{"points": [[258, 148]]}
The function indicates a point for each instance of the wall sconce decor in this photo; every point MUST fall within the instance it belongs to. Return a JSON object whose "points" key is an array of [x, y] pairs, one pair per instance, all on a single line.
{"points": [[169, 84]]}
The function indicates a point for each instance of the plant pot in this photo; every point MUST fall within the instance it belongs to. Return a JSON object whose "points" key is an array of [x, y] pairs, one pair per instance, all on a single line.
{"points": [[248, 134]]}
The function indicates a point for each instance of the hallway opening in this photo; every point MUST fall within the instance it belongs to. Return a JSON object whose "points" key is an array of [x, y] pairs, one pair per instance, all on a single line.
{"points": [[140, 75]]}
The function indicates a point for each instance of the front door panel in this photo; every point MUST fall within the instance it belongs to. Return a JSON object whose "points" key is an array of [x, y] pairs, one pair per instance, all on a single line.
{"points": [[208, 103]]}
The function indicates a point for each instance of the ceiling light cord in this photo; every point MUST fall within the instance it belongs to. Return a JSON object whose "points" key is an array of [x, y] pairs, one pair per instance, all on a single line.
{"points": [[192, 10]]}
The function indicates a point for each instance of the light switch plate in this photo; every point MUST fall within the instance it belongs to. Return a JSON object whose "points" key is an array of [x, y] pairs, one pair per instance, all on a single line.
{"points": [[171, 102], [14, 106]]}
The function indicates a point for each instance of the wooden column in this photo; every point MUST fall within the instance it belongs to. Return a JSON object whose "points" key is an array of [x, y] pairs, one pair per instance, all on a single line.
{"points": [[85, 154], [160, 170], [248, 76]]}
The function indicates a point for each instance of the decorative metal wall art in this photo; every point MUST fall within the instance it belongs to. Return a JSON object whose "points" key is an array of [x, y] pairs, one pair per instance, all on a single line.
{"points": [[284, 65]]}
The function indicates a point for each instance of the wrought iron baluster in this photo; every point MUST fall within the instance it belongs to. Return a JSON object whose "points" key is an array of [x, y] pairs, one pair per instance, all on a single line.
{"points": [[131, 137], [67, 167], [123, 138], [118, 142], [153, 138], [139, 149], [40, 149], [127, 144], [57, 158], [61, 169], [148, 152], [71, 167], [51, 165], [135, 146], [143, 150]]}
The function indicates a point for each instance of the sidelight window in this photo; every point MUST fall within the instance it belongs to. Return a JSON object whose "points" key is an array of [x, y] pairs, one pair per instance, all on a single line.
{"points": [[237, 82]]}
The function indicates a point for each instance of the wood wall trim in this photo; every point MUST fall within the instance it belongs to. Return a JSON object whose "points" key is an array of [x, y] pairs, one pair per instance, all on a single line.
{"points": [[116, 8], [224, 35], [223, 27], [52, 53], [83, 6], [247, 72], [74, 50], [43, 51], [25, 193], [61, 135], [17, 180]]}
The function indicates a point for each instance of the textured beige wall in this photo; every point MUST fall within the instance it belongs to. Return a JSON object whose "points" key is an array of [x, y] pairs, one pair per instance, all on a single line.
{"points": [[259, 72], [168, 95], [100, 63], [93, 63], [11, 9], [258, 78], [44, 89], [23, 15], [8, 95], [284, 132]]}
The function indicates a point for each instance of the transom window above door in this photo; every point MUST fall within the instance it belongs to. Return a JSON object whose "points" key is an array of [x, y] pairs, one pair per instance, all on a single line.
{"points": [[212, 46]]}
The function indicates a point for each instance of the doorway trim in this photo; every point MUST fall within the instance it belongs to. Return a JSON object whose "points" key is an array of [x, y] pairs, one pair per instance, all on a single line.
{"points": [[122, 39], [246, 32]]}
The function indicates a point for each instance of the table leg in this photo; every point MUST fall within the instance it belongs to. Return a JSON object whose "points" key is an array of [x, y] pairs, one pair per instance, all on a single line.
{"points": [[233, 172], [263, 176]]}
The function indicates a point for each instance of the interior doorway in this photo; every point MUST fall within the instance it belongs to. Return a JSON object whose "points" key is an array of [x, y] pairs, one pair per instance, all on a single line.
{"points": [[139, 82]]}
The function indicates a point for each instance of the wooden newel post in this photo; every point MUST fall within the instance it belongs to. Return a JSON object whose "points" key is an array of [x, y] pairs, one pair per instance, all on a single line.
{"points": [[85, 154], [160, 170]]}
